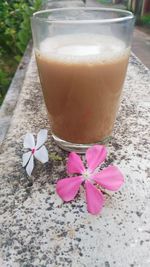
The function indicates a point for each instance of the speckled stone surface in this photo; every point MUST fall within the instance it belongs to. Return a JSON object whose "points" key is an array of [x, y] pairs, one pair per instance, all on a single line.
{"points": [[37, 229]]}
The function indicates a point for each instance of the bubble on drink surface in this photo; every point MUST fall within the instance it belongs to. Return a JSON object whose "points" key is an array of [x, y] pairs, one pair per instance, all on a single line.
{"points": [[82, 47]]}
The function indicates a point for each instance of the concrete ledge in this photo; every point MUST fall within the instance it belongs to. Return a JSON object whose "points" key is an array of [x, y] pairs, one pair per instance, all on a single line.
{"points": [[37, 229], [9, 103]]}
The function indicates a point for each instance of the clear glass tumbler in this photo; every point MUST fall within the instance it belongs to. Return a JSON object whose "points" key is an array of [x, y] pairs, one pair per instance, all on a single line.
{"points": [[82, 57]]}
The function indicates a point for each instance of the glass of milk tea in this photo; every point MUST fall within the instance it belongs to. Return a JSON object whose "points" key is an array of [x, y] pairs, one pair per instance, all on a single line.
{"points": [[82, 56]]}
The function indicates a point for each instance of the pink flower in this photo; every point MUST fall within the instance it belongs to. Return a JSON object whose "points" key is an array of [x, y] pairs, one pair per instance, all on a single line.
{"points": [[109, 178]]}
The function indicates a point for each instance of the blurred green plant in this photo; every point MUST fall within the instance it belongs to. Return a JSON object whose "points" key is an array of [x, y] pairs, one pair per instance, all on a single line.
{"points": [[105, 1], [145, 20], [15, 33]]}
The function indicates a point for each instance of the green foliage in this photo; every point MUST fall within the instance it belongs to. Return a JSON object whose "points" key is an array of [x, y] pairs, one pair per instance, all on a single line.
{"points": [[15, 33], [145, 19], [4, 81], [105, 1]]}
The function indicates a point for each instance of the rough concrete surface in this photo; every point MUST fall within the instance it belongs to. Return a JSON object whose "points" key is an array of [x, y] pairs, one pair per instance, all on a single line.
{"points": [[37, 229], [9, 103]]}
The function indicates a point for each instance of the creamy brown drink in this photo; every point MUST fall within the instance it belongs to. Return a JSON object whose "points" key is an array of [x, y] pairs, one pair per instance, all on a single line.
{"points": [[82, 77]]}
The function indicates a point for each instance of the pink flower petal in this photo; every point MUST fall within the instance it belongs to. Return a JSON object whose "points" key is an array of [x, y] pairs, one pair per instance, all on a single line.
{"points": [[94, 198], [110, 178], [95, 155], [74, 164], [67, 188]]}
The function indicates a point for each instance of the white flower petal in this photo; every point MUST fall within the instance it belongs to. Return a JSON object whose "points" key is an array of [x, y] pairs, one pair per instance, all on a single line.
{"points": [[41, 154], [29, 141], [30, 166], [41, 138], [25, 158]]}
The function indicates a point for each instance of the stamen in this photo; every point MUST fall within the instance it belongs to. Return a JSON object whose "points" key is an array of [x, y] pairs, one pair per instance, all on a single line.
{"points": [[33, 151], [86, 174]]}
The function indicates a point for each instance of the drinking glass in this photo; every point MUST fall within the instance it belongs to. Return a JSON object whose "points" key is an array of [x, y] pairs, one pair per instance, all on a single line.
{"points": [[82, 57]]}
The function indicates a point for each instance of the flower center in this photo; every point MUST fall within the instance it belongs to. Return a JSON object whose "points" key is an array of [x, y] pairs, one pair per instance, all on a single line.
{"points": [[86, 174], [33, 150]]}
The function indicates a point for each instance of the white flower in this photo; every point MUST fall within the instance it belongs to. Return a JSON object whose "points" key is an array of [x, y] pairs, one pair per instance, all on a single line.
{"points": [[38, 151]]}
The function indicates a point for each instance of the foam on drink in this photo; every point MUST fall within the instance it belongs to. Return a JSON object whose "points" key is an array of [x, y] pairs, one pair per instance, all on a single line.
{"points": [[82, 47], [82, 77]]}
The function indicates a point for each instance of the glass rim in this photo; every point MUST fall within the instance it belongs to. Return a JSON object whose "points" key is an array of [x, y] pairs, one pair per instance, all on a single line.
{"points": [[129, 15]]}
